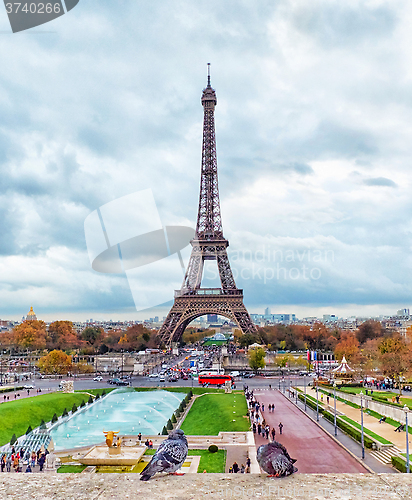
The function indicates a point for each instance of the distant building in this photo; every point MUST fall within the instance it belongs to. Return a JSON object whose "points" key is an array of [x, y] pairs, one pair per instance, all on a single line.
{"points": [[31, 316], [330, 317], [212, 318], [402, 313], [267, 311]]}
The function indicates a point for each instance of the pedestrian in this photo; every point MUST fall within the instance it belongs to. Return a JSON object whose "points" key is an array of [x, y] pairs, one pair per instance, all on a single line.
{"points": [[327, 399], [273, 407], [33, 459], [273, 432], [8, 463], [242, 469], [230, 470], [41, 461], [254, 428], [263, 407], [280, 427], [150, 445], [28, 468], [146, 443], [235, 468], [267, 429], [259, 427], [248, 465], [3, 462]]}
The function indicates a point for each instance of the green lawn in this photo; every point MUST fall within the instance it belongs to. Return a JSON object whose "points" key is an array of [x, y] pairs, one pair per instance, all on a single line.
{"points": [[17, 415], [214, 413], [212, 462], [71, 468]]}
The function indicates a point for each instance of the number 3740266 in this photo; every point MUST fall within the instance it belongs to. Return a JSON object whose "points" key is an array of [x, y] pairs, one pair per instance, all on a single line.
{"points": [[33, 8]]}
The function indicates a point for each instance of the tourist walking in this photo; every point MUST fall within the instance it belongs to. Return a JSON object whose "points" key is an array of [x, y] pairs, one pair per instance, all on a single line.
{"points": [[235, 467], [33, 459], [263, 407], [280, 427], [41, 461], [8, 463], [267, 429], [273, 432], [259, 427], [254, 428], [248, 465], [3, 462]]}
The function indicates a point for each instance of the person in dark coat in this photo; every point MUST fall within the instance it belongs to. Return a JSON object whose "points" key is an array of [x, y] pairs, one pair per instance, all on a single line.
{"points": [[259, 429], [235, 467], [273, 432], [41, 461], [280, 427], [254, 428]]}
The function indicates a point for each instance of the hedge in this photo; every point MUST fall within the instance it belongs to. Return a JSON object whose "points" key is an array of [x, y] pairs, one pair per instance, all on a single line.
{"points": [[11, 389], [400, 464], [348, 429]]}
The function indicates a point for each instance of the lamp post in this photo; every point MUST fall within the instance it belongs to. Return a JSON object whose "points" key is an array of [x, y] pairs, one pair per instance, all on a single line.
{"points": [[317, 402], [334, 403], [362, 441], [407, 438], [304, 385]]}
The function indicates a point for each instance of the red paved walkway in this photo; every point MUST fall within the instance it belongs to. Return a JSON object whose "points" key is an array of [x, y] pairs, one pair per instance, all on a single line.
{"points": [[314, 450]]}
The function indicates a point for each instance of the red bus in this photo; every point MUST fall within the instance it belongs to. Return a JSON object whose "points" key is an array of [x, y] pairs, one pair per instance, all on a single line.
{"points": [[214, 379]]}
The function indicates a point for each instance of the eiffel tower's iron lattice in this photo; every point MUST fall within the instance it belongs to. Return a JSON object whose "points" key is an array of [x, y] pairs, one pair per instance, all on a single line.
{"points": [[192, 301]]}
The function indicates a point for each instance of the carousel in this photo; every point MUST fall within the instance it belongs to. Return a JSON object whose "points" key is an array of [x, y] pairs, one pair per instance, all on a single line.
{"points": [[343, 373]]}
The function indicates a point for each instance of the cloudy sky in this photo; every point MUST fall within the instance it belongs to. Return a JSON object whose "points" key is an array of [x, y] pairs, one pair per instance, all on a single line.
{"points": [[314, 142]]}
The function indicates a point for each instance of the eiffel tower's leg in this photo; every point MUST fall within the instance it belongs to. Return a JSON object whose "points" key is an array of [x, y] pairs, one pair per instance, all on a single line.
{"points": [[194, 273], [225, 273]]}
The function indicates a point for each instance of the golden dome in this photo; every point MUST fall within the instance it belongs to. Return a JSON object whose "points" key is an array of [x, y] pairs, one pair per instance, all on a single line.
{"points": [[31, 315]]}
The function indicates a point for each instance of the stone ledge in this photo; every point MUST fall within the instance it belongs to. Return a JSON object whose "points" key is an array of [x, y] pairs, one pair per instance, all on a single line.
{"points": [[206, 486]]}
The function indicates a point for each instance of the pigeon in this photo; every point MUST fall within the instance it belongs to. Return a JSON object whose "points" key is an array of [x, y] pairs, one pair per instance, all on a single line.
{"points": [[169, 457], [275, 460]]}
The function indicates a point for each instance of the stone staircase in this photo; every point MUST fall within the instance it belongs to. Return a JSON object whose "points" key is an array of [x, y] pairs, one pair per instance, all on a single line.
{"points": [[385, 455]]}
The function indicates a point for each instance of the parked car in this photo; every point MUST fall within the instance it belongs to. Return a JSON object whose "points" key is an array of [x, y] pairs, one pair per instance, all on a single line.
{"points": [[153, 375], [29, 386], [114, 381], [98, 379]]}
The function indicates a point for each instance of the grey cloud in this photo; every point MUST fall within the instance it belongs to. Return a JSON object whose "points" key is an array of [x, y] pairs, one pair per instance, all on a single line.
{"points": [[338, 24], [380, 181]]}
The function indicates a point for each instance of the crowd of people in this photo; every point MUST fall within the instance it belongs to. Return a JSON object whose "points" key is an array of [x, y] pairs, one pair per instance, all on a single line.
{"points": [[23, 460], [257, 420]]}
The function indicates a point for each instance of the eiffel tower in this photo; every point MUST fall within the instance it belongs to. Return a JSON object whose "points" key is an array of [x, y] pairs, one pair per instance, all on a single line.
{"points": [[192, 301]]}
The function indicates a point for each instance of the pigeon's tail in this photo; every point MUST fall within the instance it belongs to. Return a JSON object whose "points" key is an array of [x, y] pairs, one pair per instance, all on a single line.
{"points": [[145, 477], [149, 471]]}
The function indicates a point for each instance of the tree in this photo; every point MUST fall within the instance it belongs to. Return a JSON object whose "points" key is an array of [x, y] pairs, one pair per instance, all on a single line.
{"points": [[30, 335], [62, 335], [369, 330], [247, 339], [91, 334], [348, 346], [256, 358], [56, 363], [395, 358]]}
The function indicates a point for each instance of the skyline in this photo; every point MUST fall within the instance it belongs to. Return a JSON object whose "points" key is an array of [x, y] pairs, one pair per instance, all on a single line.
{"points": [[313, 143]]}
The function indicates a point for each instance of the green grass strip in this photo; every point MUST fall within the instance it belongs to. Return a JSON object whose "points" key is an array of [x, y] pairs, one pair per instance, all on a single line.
{"points": [[211, 462], [365, 430], [70, 469]]}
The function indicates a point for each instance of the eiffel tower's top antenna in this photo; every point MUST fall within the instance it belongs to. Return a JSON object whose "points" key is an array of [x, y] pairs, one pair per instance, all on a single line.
{"points": [[208, 74]]}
